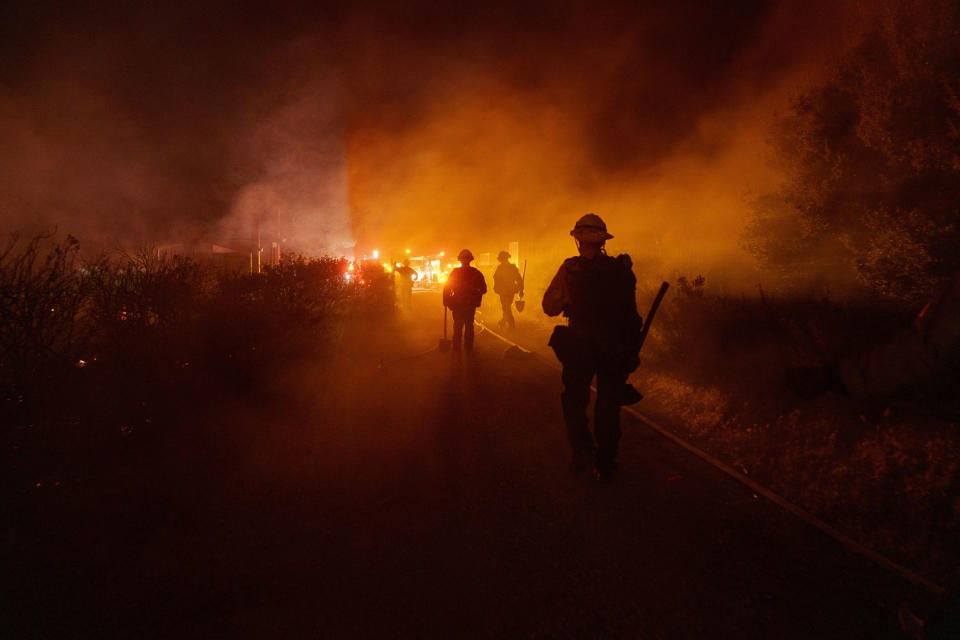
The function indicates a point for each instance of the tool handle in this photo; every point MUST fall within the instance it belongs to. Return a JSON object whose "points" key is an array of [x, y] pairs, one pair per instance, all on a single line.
{"points": [[653, 311]]}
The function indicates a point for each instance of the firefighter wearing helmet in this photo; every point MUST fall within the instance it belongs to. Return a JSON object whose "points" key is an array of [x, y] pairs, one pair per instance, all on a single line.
{"points": [[462, 294], [507, 282], [406, 276], [596, 293]]}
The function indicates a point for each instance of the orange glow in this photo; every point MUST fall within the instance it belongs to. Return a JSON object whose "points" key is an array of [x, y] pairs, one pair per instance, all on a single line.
{"points": [[430, 184]]}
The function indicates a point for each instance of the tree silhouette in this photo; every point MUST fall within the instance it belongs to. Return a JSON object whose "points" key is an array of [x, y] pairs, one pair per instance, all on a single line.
{"points": [[871, 160]]}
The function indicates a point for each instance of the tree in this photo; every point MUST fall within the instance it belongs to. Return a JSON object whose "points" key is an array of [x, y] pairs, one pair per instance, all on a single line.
{"points": [[871, 160]]}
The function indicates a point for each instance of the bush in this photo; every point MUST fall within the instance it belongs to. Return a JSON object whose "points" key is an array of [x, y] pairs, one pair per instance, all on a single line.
{"points": [[871, 162], [42, 297], [94, 352], [883, 470], [744, 341]]}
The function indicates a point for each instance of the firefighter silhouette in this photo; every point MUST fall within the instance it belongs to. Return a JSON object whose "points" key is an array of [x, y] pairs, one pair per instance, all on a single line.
{"points": [[507, 282], [462, 295], [596, 293], [406, 275]]}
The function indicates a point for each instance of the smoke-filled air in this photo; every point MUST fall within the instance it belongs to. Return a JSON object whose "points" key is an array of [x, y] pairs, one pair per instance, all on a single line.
{"points": [[499, 319], [384, 126]]}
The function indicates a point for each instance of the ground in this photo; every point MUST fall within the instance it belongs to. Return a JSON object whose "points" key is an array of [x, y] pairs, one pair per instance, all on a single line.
{"points": [[416, 494]]}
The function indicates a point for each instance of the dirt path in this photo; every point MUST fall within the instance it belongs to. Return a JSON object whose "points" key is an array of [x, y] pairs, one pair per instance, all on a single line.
{"points": [[427, 496]]}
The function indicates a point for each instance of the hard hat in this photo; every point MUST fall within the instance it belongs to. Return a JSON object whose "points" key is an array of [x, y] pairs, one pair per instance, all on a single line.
{"points": [[503, 255], [465, 256], [590, 228]]}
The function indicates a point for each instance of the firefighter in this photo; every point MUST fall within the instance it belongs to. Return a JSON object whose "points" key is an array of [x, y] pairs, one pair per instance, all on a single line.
{"points": [[596, 293], [507, 282], [462, 294], [407, 276]]}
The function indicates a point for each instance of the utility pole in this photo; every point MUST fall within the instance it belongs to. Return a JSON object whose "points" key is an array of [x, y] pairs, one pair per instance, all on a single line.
{"points": [[259, 246]]}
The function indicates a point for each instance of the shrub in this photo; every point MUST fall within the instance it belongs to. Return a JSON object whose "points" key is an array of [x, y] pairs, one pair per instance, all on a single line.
{"points": [[92, 352], [42, 296], [871, 161]]}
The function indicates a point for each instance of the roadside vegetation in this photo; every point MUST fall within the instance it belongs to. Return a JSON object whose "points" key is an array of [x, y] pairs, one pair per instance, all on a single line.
{"points": [[869, 206], [884, 470], [868, 209], [102, 364]]}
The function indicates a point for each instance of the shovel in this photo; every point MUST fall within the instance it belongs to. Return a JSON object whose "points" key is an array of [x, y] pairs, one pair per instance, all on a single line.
{"points": [[444, 344], [521, 303]]}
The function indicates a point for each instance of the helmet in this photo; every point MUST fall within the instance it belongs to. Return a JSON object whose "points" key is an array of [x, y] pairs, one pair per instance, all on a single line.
{"points": [[503, 255], [465, 256], [590, 228]]}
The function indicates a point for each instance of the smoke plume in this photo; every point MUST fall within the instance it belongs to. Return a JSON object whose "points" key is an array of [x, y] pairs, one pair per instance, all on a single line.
{"points": [[394, 126]]}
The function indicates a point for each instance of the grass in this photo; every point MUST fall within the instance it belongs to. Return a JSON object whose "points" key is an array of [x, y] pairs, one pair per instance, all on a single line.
{"points": [[884, 469]]}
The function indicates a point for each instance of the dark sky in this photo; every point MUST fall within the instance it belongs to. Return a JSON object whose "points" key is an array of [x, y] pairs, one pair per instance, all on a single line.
{"points": [[126, 120]]}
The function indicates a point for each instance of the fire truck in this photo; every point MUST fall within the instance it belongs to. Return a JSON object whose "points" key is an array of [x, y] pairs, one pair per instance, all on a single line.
{"points": [[432, 271]]}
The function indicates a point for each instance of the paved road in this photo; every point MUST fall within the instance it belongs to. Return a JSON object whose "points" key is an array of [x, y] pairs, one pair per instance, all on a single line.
{"points": [[427, 496]]}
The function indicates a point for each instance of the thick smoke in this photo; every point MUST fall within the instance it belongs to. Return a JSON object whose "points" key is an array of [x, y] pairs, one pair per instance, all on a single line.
{"points": [[657, 120], [299, 197], [413, 126]]}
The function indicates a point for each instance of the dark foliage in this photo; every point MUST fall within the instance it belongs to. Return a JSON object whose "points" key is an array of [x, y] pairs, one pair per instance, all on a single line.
{"points": [[883, 469], [749, 341], [96, 354], [872, 162]]}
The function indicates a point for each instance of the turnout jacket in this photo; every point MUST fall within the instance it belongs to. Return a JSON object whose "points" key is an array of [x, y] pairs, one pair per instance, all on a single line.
{"points": [[464, 289], [507, 279], [598, 297]]}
